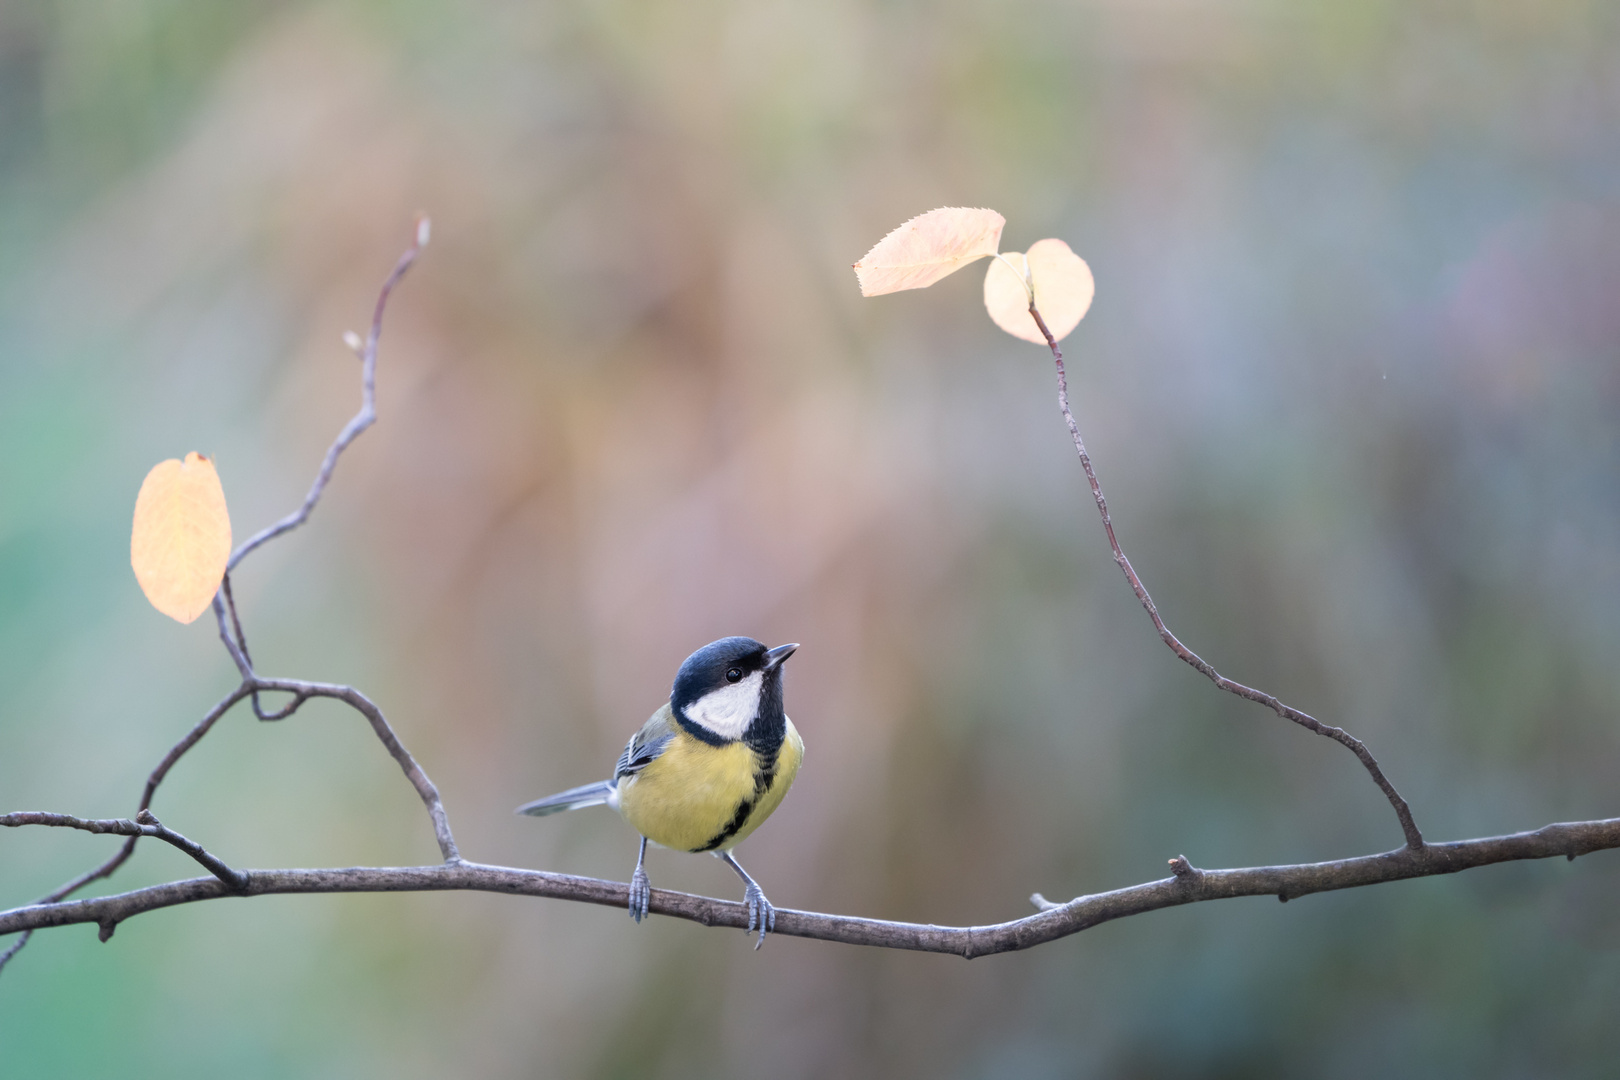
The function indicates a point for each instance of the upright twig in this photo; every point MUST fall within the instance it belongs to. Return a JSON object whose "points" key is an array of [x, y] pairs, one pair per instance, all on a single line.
{"points": [[232, 645], [361, 420], [1414, 838]]}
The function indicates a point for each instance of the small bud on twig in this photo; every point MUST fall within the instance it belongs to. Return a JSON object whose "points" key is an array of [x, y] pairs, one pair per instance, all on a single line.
{"points": [[352, 340]]}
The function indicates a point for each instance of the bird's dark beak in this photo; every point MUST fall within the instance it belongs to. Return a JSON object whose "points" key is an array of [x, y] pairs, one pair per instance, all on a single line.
{"points": [[774, 657]]}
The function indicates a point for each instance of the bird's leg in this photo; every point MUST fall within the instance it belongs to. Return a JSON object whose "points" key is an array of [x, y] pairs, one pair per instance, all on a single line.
{"points": [[640, 887], [760, 912]]}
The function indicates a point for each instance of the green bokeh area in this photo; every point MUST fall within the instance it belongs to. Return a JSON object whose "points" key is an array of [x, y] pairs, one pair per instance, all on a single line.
{"points": [[1351, 381]]}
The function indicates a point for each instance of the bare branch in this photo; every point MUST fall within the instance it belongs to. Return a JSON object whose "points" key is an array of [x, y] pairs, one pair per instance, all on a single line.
{"points": [[14, 948], [379, 724], [361, 420], [301, 691], [175, 753], [145, 824], [236, 623], [1186, 886], [192, 737], [108, 868], [238, 654], [1414, 838], [286, 710]]}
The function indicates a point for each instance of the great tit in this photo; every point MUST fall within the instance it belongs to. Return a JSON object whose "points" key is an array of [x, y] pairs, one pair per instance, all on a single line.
{"points": [[707, 769]]}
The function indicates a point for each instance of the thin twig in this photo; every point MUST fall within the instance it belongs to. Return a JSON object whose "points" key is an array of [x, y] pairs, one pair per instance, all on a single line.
{"points": [[236, 623], [1571, 839], [245, 665], [301, 691], [120, 857], [192, 737], [145, 824], [14, 948], [238, 656], [286, 710], [1414, 838], [425, 788], [361, 420]]}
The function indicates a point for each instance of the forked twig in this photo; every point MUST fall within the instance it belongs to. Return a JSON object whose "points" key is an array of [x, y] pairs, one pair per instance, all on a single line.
{"points": [[235, 642]]}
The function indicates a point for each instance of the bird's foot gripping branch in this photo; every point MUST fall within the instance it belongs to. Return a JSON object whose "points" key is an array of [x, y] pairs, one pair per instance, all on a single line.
{"points": [[716, 725]]}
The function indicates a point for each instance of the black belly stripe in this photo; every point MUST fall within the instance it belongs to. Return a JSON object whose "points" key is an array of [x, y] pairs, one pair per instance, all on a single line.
{"points": [[730, 830], [764, 777]]}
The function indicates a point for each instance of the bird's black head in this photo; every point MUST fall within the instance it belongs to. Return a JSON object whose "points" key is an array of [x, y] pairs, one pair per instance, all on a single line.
{"points": [[730, 689]]}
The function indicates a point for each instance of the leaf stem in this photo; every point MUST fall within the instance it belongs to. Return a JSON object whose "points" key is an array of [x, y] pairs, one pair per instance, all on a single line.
{"points": [[1023, 277]]}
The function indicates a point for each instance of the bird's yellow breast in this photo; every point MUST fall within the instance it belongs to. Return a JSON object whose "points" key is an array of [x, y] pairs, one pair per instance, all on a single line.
{"points": [[698, 797]]}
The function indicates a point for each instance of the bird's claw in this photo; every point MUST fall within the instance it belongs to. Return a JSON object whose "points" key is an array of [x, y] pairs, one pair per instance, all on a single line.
{"points": [[760, 912], [640, 894]]}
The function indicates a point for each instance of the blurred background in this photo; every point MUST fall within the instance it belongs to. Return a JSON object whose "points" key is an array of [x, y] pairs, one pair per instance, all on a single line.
{"points": [[1351, 381]]}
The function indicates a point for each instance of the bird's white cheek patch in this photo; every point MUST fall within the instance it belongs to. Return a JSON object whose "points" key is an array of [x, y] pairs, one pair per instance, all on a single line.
{"points": [[729, 710]]}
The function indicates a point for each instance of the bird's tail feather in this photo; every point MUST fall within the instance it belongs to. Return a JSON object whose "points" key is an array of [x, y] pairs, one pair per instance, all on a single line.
{"points": [[588, 795]]}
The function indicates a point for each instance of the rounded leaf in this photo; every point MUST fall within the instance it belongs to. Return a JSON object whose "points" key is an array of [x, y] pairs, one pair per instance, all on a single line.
{"points": [[927, 248], [1063, 290], [182, 536]]}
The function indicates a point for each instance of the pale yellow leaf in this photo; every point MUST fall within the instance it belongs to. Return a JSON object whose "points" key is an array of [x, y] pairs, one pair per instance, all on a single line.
{"points": [[1063, 291], [182, 536], [927, 248]]}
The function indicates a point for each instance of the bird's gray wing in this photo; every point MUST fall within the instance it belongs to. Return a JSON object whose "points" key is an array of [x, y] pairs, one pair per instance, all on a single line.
{"points": [[647, 744]]}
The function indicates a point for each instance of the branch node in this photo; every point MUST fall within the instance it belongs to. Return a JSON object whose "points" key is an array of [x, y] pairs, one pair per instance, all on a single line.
{"points": [[107, 929], [1042, 903], [1184, 870], [1282, 898]]}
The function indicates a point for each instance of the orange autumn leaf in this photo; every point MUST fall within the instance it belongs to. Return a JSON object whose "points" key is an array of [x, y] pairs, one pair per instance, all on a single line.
{"points": [[1063, 290], [927, 248], [182, 536]]}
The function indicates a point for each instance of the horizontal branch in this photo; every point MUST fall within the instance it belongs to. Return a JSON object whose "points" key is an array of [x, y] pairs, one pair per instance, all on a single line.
{"points": [[1186, 885]]}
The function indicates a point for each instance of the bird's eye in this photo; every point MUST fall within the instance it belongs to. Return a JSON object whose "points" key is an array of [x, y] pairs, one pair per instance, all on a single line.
{"points": [[734, 674]]}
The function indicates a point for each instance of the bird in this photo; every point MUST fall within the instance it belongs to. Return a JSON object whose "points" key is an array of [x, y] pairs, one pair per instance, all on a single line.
{"points": [[706, 769]]}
